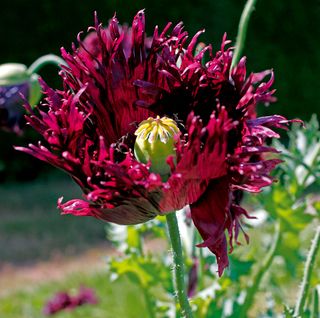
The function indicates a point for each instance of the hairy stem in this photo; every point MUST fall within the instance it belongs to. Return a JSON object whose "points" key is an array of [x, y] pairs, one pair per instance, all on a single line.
{"points": [[315, 304], [179, 275], [264, 266], [44, 60], [242, 31], [304, 289]]}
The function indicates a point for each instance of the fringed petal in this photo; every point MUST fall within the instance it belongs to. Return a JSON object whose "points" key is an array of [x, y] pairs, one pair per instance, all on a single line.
{"points": [[210, 214], [201, 159]]}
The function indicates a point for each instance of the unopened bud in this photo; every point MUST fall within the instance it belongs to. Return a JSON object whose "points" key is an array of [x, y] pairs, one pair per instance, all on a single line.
{"points": [[16, 81], [16, 75]]}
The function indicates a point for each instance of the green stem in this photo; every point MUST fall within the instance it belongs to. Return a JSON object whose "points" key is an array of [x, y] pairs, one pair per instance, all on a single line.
{"points": [[44, 60], [179, 276], [315, 304], [303, 293], [242, 31], [264, 266]]}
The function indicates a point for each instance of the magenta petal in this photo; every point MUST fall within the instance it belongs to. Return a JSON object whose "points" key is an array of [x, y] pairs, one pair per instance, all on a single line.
{"points": [[202, 159], [211, 216]]}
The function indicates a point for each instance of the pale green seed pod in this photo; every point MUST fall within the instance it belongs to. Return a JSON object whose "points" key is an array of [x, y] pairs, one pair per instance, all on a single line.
{"points": [[155, 142]]}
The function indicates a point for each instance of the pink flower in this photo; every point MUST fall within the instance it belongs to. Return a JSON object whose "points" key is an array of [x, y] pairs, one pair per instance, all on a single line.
{"points": [[109, 88], [64, 301]]}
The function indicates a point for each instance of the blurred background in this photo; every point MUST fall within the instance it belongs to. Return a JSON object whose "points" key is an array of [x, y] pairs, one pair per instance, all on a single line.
{"points": [[283, 35]]}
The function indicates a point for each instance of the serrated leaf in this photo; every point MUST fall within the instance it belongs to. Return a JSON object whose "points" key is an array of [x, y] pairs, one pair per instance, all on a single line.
{"points": [[239, 268]]}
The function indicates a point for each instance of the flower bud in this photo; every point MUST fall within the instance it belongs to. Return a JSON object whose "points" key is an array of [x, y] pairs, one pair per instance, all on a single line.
{"points": [[16, 75], [155, 142], [15, 80], [13, 73]]}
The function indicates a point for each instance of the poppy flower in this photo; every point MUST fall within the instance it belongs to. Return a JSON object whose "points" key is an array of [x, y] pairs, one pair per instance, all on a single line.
{"points": [[64, 301], [124, 88]]}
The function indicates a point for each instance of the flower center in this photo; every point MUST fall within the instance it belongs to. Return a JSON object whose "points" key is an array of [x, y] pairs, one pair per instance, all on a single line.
{"points": [[155, 142]]}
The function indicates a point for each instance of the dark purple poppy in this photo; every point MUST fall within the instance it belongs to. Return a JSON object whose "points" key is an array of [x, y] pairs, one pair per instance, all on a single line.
{"points": [[60, 301], [65, 301], [86, 296], [89, 129]]}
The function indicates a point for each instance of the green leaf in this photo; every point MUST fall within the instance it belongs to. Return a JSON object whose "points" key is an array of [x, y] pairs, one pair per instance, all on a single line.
{"points": [[239, 268], [145, 270]]}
